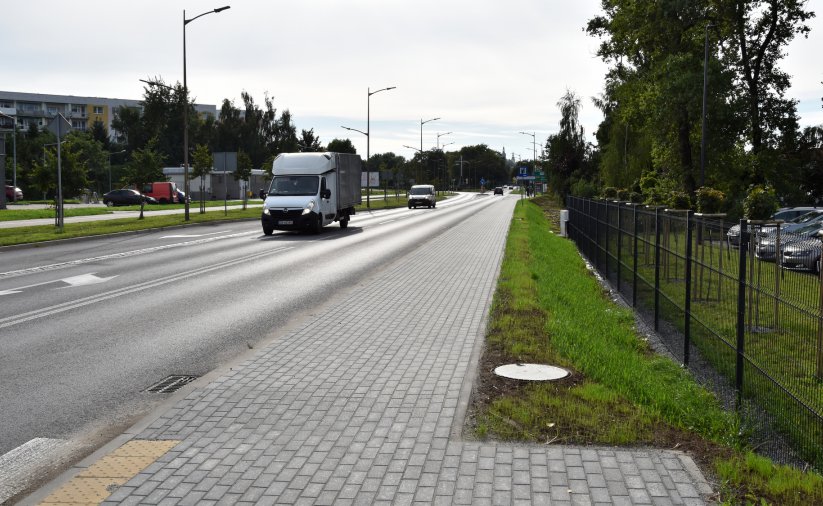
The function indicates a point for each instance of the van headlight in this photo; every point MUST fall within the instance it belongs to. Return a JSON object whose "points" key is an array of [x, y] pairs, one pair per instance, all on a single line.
{"points": [[266, 211], [309, 207]]}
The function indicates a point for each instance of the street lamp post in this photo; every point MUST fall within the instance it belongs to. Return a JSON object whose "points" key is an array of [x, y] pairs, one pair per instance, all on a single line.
{"points": [[439, 135], [421, 137], [186, 105], [534, 150], [369, 93], [445, 168]]}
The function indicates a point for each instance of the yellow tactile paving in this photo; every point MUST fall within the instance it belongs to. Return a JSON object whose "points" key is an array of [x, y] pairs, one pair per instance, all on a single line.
{"points": [[99, 481]]}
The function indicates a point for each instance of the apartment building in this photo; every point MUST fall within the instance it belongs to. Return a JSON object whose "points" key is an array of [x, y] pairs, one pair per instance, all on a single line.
{"points": [[82, 112]]}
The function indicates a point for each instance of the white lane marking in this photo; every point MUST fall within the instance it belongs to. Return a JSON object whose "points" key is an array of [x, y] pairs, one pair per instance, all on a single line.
{"points": [[24, 464], [124, 254], [86, 279], [384, 222], [81, 280], [85, 301], [185, 236]]}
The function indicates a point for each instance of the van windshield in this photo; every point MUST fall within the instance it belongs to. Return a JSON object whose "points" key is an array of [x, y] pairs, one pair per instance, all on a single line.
{"points": [[421, 191], [293, 185]]}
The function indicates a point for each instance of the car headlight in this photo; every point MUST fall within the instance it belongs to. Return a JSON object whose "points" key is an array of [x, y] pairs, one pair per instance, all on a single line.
{"points": [[266, 211], [309, 207]]}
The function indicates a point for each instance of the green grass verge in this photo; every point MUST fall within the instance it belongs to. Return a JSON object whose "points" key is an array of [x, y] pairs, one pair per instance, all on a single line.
{"points": [[23, 235], [548, 308]]}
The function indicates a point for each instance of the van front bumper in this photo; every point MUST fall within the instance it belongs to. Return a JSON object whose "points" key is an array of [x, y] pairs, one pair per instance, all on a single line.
{"points": [[288, 220]]}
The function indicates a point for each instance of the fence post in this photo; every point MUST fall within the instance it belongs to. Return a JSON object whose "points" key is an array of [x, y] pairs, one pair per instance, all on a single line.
{"points": [[741, 309], [656, 269], [634, 256], [608, 246], [820, 322], [619, 245], [688, 306]]}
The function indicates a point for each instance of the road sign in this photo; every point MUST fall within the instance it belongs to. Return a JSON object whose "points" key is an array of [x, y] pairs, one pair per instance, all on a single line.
{"points": [[482, 181], [525, 178], [59, 126], [524, 171]]}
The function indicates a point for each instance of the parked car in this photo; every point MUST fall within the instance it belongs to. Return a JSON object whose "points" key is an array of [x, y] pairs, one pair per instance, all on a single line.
{"points": [[803, 254], [498, 190], [126, 197], [422, 195], [787, 214], [13, 193], [766, 246]]}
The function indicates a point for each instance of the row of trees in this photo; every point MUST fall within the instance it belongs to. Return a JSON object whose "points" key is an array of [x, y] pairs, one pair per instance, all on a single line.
{"points": [[653, 104], [150, 138]]}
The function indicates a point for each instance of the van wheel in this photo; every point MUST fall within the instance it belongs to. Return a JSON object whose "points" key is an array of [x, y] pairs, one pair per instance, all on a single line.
{"points": [[318, 225], [344, 223], [268, 230], [434, 204]]}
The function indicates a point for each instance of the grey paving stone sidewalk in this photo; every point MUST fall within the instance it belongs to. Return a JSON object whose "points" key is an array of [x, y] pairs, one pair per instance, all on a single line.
{"points": [[364, 404]]}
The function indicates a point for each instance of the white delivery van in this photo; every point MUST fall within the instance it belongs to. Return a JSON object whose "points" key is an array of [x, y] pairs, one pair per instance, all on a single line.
{"points": [[310, 190], [422, 195]]}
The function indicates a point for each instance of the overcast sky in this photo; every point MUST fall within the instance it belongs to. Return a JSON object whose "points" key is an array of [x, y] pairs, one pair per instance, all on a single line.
{"points": [[488, 68]]}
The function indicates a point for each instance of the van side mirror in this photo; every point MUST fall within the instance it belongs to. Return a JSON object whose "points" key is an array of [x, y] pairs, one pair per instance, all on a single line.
{"points": [[263, 194], [325, 194]]}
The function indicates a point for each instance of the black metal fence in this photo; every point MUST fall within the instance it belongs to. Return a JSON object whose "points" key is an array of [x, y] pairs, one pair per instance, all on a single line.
{"points": [[727, 306]]}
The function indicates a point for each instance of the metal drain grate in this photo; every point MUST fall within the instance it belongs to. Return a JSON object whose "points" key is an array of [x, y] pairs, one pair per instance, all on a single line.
{"points": [[170, 384]]}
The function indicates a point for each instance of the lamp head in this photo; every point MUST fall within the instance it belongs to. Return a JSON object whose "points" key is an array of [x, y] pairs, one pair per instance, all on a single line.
{"points": [[222, 8]]}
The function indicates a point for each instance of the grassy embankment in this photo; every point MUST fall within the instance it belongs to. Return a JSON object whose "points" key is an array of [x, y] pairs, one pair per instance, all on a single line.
{"points": [[549, 309]]}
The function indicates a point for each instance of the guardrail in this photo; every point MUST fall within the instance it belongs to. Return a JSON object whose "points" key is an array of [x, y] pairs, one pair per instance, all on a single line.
{"points": [[728, 309]]}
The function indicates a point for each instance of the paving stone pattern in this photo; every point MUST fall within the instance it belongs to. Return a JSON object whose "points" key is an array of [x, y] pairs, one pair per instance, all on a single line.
{"points": [[362, 405]]}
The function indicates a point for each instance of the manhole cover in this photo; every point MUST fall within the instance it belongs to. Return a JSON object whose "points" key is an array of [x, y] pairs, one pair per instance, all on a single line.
{"points": [[170, 384], [531, 372]]}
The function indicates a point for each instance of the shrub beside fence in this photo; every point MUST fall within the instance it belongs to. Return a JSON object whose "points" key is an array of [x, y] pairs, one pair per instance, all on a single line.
{"points": [[724, 309]]}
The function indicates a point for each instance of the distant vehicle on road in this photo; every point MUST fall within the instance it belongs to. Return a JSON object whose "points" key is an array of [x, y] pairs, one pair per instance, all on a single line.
{"points": [[181, 196], [498, 190], [165, 192], [13, 193], [126, 197], [422, 195]]}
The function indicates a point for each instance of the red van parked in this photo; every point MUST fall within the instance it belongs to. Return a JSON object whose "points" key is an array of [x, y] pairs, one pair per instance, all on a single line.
{"points": [[164, 193]]}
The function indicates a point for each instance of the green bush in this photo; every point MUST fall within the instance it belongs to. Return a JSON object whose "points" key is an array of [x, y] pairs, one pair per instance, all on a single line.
{"points": [[679, 200], [609, 192], [709, 200], [583, 188], [760, 203], [623, 195]]}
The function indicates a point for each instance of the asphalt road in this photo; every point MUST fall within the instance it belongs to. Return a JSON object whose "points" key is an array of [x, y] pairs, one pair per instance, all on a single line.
{"points": [[86, 327]]}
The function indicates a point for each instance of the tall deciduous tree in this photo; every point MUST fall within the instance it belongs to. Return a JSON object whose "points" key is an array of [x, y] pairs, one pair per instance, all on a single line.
{"points": [[243, 173], [145, 166], [759, 32], [565, 151], [202, 164], [309, 142], [341, 146]]}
